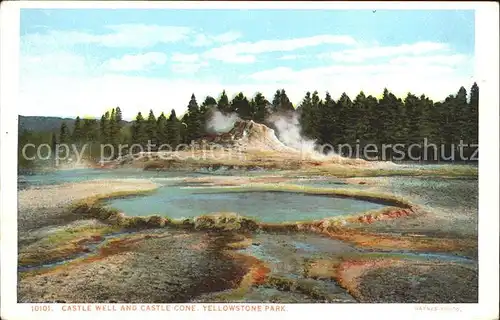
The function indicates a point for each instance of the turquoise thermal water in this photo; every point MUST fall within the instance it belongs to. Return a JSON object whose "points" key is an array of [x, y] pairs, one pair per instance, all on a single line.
{"points": [[177, 202]]}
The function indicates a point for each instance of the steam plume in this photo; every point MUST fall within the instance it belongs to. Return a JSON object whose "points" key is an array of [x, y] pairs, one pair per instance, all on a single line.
{"points": [[219, 122], [289, 132]]}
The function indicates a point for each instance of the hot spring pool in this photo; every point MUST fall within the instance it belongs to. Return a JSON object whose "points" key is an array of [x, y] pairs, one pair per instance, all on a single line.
{"points": [[179, 203]]}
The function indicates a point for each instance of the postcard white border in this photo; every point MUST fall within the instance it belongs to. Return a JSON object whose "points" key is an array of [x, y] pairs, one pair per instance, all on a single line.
{"points": [[486, 56]]}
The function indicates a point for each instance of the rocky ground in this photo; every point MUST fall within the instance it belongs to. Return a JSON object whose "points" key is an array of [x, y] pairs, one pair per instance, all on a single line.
{"points": [[47, 205], [175, 265], [163, 267], [409, 281], [450, 205]]}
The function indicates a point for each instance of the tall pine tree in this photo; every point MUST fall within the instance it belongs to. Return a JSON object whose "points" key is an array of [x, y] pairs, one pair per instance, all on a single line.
{"points": [[223, 103], [260, 105], [242, 107], [173, 130], [76, 136], [193, 120], [161, 129], [151, 127], [139, 133], [64, 136]]}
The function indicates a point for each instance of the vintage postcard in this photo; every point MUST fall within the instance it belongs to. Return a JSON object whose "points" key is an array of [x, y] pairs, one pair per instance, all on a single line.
{"points": [[227, 159]]}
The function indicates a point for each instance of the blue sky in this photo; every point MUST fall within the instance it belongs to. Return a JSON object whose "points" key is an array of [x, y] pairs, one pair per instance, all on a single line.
{"points": [[80, 62]]}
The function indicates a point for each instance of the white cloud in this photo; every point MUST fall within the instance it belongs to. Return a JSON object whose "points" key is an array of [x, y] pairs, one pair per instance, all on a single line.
{"points": [[448, 60], [292, 57], [181, 57], [231, 53], [93, 95], [202, 40], [187, 63], [434, 76], [227, 37], [366, 53], [287, 74], [188, 67], [61, 82], [60, 62], [123, 35], [83, 95], [231, 58], [136, 62]]}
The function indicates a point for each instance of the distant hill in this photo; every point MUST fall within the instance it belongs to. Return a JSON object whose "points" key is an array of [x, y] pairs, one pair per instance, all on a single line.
{"points": [[47, 124], [43, 124]]}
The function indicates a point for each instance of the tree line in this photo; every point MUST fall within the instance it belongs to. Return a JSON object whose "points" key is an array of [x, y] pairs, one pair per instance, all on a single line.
{"points": [[363, 120]]}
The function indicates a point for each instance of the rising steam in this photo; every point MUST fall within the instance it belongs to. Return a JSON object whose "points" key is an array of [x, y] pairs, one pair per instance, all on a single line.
{"points": [[219, 122], [289, 131], [287, 127]]}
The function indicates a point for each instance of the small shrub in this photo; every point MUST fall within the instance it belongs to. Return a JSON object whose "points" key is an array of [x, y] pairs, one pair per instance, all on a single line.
{"points": [[116, 218], [225, 222], [204, 223], [248, 224], [281, 283], [155, 221], [135, 222]]}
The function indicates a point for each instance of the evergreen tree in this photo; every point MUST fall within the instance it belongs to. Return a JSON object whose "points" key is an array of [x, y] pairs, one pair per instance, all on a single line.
{"points": [[371, 134], [209, 103], [446, 130], [387, 120], [118, 115], [309, 115], [53, 147], [206, 109], [117, 127], [460, 111], [414, 110], [104, 128], [64, 136], [53, 143], [346, 121], [151, 127], [173, 130], [361, 112], [260, 106], [285, 104], [473, 116], [428, 124], [76, 136], [326, 119], [223, 103], [139, 133], [276, 101], [183, 129], [242, 107], [281, 103], [193, 121], [161, 129], [112, 127], [389, 112]]}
